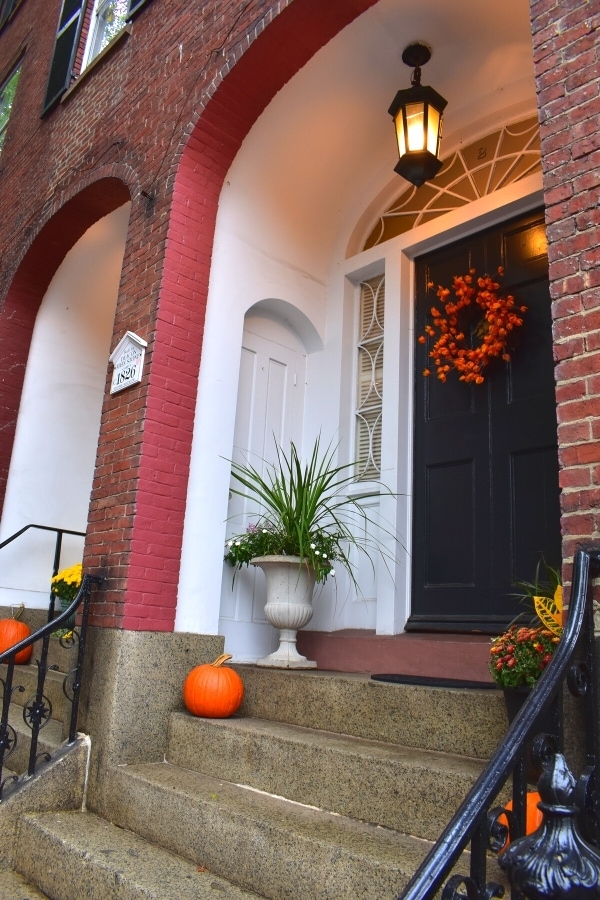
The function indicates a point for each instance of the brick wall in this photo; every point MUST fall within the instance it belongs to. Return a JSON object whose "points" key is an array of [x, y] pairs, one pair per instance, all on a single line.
{"points": [[183, 71], [566, 46]]}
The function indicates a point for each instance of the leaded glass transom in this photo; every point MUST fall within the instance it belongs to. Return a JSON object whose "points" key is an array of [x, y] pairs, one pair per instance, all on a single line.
{"points": [[489, 163]]}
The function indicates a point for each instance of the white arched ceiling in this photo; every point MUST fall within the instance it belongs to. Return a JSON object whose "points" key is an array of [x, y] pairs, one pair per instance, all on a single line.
{"points": [[54, 453], [324, 148]]}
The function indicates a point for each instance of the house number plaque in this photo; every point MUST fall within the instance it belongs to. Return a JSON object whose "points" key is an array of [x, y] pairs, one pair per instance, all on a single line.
{"points": [[128, 361]]}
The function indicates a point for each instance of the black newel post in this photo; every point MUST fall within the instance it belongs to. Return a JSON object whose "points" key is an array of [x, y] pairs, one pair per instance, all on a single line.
{"points": [[555, 861]]}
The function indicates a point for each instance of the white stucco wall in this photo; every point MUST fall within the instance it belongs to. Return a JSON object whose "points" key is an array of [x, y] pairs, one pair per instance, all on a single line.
{"points": [[54, 452]]}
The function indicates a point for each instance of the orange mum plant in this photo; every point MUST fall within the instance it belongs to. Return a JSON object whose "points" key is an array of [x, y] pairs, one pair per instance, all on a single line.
{"points": [[455, 328], [520, 654]]}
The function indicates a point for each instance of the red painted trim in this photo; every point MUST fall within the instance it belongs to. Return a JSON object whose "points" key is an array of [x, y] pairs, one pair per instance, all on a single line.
{"points": [[276, 55]]}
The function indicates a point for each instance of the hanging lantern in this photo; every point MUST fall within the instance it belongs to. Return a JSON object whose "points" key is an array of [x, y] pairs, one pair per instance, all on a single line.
{"points": [[417, 114]]}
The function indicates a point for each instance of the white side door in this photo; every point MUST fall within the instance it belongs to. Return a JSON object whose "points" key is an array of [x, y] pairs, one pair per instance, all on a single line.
{"points": [[269, 408]]}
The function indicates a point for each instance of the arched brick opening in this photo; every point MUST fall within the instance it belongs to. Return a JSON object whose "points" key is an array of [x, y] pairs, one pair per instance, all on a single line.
{"points": [[38, 266], [152, 569]]}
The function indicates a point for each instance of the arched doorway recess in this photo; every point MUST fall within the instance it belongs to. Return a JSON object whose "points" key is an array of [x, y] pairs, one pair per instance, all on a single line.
{"points": [[54, 451], [300, 182], [55, 238]]}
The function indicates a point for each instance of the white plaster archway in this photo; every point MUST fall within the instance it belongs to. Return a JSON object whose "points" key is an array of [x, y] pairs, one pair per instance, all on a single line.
{"points": [[316, 168], [54, 451]]}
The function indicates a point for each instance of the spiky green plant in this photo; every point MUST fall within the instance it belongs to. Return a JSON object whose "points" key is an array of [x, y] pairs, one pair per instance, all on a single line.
{"points": [[305, 511]]}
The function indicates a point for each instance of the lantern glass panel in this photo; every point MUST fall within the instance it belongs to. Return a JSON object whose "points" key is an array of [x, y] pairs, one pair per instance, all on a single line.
{"points": [[399, 123], [415, 120], [433, 127]]}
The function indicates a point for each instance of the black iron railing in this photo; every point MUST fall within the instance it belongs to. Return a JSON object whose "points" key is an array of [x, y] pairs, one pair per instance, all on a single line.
{"points": [[37, 711], [59, 532], [571, 825]]}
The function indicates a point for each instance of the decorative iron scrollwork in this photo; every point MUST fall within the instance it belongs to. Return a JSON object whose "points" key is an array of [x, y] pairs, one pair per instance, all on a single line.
{"points": [[578, 679], [543, 750], [585, 798], [501, 825], [68, 640], [37, 712], [70, 684], [554, 862], [452, 890], [15, 687], [8, 740]]}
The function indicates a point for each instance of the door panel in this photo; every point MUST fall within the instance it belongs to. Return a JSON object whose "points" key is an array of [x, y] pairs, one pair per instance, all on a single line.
{"points": [[485, 484], [270, 408]]}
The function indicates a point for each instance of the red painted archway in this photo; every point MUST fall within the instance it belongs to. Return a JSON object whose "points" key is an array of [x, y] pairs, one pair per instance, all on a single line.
{"points": [[155, 537]]}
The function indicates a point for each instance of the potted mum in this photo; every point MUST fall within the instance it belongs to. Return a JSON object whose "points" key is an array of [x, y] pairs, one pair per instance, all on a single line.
{"points": [[65, 586], [303, 531], [520, 654]]}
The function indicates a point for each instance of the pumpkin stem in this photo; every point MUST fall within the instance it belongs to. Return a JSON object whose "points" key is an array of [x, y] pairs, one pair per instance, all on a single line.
{"points": [[17, 614], [221, 659]]}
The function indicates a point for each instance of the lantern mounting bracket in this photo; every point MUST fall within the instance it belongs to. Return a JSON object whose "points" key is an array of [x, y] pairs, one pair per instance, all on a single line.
{"points": [[416, 55]]}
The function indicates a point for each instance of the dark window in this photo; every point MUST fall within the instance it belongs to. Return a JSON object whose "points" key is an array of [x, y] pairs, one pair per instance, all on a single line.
{"points": [[7, 96], [135, 5], [108, 19], [7, 7], [67, 36]]}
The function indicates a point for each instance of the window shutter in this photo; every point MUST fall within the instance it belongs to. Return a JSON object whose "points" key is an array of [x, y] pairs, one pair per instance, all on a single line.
{"points": [[134, 5], [6, 9], [65, 47]]}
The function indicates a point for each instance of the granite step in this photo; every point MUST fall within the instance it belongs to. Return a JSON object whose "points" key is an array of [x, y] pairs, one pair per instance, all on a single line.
{"points": [[383, 783], [14, 887], [76, 854], [264, 843], [449, 720]]}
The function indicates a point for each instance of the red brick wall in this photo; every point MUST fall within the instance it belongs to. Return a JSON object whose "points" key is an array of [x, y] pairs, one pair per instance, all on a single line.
{"points": [[566, 46], [216, 68]]}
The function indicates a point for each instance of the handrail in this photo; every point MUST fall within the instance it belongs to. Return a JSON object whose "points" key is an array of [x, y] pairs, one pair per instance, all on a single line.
{"points": [[42, 528], [57, 551], [38, 709], [470, 820]]}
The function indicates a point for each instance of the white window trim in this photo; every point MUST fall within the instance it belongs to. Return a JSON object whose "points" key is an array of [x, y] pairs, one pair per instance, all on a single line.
{"points": [[15, 72], [92, 41]]}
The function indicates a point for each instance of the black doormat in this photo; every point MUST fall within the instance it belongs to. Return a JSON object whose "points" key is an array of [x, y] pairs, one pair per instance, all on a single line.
{"points": [[423, 681]]}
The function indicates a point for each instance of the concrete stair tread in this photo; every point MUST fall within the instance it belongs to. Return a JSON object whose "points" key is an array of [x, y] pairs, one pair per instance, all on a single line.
{"points": [[247, 801], [14, 887], [225, 826], [330, 740], [106, 861], [383, 783], [449, 720]]}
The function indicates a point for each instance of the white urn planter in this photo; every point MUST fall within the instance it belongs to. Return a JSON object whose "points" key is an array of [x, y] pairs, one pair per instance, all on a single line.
{"points": [[290, 586]]}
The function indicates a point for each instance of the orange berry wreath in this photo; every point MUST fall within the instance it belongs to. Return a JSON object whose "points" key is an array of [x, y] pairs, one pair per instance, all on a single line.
{"points": [[452, 330]]}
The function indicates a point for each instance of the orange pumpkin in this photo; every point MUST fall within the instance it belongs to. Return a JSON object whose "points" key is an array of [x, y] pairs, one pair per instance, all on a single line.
{"points": [[533, 815], [11, 632], [213, 690]]}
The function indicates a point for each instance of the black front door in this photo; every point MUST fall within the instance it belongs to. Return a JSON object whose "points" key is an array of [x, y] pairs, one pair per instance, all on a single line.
{"points": [[485, 485]]}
